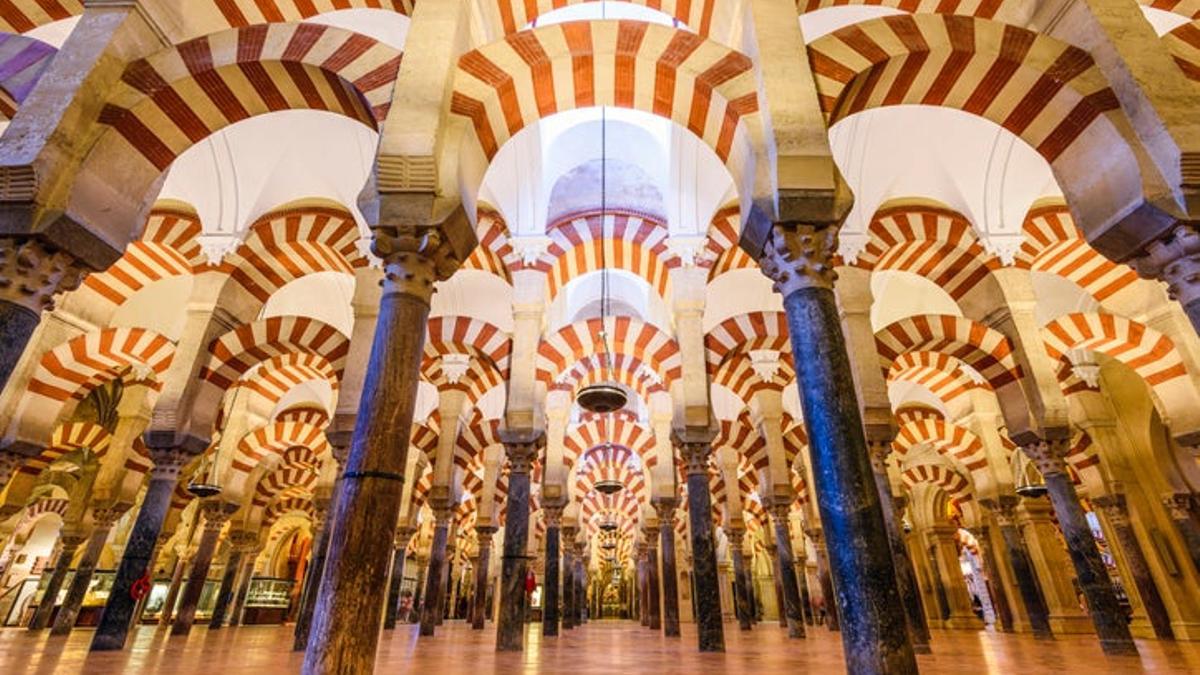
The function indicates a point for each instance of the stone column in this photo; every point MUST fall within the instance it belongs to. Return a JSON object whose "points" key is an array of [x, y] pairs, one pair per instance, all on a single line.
{"points": [[665, 507], [247, 575], [68, 543], [695, 447], [568, 582], [168, 611], [435, 584], [1107, 617], [419, 593], [826, 581], [741, 592], [479, 610], [787, 569], [906, 578], [805, 596], [1179, 508], [1116, 511], [1175, 259], [654, 606], [874, 628], [552, 512], [371, 490], [404, 534], [777, 584], [643, 600], [215, 515], [102, 524], [118, 612], [1031, 593], [521, 447], [323, 525], [995, 585], [31, 273], [944, 560], [581, 598], [240, 543]]}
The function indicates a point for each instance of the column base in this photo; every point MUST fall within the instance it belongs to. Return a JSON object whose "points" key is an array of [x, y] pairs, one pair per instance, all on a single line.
{"points": [[1071, 625], [963, 622]]}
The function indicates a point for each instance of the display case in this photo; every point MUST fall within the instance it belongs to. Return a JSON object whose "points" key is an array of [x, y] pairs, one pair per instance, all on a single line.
{"points": [[155, 600], [267, 600], [97, 594]]}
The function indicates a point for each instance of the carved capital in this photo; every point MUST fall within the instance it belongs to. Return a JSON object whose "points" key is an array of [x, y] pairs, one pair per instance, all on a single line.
{"points": [[1049, 456], [1179, 505], [1114, 508], [414, 257], [879, 449], [217, 513], [695, 448], [71, 540], [665, 508], [1174, 259], [168, 462], [553, 512], [800, 256], [404, 535], [736, 536], [521, 446], [106, 517], [1004, 508], [31, 273], [243, 540]]}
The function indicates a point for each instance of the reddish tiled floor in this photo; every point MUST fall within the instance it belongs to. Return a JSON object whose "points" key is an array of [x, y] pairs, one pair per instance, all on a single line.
{"points": [[599, 647]]}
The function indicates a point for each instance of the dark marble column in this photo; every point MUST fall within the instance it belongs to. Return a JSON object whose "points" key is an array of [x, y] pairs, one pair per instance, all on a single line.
{"points": [[521, 447], [370, 492], [777, 583], [1027, 584], [825, 580], [695, 447], [32, 272], [404, 534], [216, 513], [875, 637], [552, 512], [581, 597], [118, 612], [906, 578], [419, 592], [479, 609], [1179, 508], [741, 581], [805, 596], [1092, 575], [240, 543], [942, 611], [435, 583], [102, 524], [643, 587], [995, 584], [244, 579], [665, 507], [653, 604], [1116, 511], [787, 569], [68, 543], [322, 524], [568, 583]]}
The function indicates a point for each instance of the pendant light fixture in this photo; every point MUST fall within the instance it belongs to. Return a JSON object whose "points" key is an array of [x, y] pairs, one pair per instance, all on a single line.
{"points": [[605, 396]]}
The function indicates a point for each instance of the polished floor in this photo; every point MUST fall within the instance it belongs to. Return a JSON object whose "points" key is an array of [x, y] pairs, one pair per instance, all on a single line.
{"points": [[598, 647]]}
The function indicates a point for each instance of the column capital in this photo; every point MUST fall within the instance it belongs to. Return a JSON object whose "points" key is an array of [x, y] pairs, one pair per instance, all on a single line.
{"points": [[553, 511], [1004, 508], [1114, 507], [780, 508], [485, 532], [32, 272], [736, 535], [521, 446], [243, 541], [106, 516], [414, 257], [71, 539], [695, 447], [980, 532], [1049, 456], [217, 513], [798, 256], [665, 508], [1175, 259], [1178, 504], [168, 462], [569, 532]]}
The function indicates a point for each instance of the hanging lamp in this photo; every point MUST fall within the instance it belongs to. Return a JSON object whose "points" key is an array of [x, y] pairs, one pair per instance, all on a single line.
{"points": [[606, 396], [1030, 483]]}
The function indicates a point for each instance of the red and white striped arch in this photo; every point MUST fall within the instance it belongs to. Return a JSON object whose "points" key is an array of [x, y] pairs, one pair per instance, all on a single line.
{"points": [[612, 463], [623, 507], [168, 248], [275, 438], [744, 333], [494, 254], [558, 352], [737, 374], [293, 242], [479, 378], [1150, 354], [304, 414], [623, 368], [79, 365], [936, 243], [619, 432], [250, 12], [1053, 244], [283, 477], [425, 438], [954, 484], [172, 100], [941, 374], [292, 505], [1183, 43], [278, 375], [67, 438], [20, 16], [741, 435], [1042, 90], [634, 243], [39, 509], [721, 251], [463, 334], [986, 9], [956, 443], [701, 17], [1188, 8], [985, 349], [239, 350], [474, 438], [703, 86]]}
